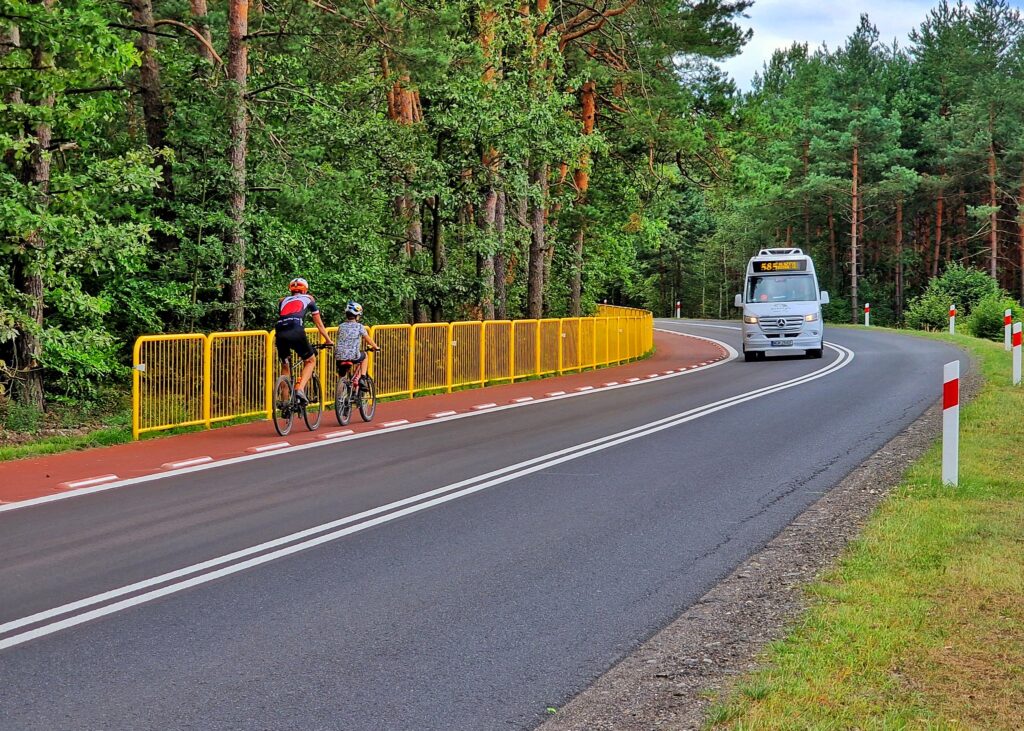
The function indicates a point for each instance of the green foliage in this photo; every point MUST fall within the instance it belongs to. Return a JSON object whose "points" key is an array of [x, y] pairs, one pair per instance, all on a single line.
{"points": [[958, 285], [986, 320]]}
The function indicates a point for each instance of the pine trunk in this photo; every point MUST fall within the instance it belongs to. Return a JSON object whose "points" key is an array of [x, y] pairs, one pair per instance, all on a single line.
{"points": [[485, 223], [832, 249], [1020, 242], [940, 202], [581, 179], [535, 267], [854, 230], [238, 67], [500, 268], [899, 257], [28, 270], [993, 202]]}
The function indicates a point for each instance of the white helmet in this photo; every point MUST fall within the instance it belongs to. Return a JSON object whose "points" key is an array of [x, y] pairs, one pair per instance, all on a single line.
{"points": [[298, 285], [354, 308]]}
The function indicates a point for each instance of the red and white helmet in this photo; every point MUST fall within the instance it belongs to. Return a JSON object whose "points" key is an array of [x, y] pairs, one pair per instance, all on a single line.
{"points": [[298, 285]]}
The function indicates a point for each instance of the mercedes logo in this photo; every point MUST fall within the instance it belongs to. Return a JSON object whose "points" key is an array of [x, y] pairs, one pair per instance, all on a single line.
{"points": [[781, 322]]}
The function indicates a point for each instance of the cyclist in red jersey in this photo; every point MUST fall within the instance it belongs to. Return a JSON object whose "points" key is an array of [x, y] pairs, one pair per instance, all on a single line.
{"points": [[290, 333]]}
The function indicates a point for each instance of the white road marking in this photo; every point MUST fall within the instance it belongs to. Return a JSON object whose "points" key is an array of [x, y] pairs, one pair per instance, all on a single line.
{"points": [[87, 482], [335, 434], [442, 414], [267, 447], [396, 422], [185, 463], [375, 516], [522, 399], [481, 407]]}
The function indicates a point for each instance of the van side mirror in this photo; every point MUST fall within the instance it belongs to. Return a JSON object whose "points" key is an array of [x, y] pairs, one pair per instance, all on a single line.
{"points": [[738, 301], [824, 297]]}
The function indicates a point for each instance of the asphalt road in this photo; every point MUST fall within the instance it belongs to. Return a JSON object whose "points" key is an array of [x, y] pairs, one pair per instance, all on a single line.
{"points": [[443, 577]]}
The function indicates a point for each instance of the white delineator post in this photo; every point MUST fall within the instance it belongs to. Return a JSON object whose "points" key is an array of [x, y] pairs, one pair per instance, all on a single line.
{"points": [[951, 423], [952, 319], [1007, 323], [1016, 353], [867, 314], [679, 310]]}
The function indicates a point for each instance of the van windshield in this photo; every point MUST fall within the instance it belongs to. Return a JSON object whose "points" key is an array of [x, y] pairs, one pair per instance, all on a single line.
{"points": [[776, 288]]}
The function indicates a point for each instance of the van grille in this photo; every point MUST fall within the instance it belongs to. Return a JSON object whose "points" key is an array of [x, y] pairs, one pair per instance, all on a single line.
{"points": [[781, 324]]}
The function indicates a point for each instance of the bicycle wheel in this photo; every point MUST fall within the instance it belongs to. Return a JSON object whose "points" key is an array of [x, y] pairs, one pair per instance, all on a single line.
{"points": [[343, 400], [368, 400], [314, 410], [283, 412]]}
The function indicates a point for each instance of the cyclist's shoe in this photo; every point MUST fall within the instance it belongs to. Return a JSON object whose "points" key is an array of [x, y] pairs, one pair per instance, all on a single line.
{"points": [[301, 397], [364, 384]]}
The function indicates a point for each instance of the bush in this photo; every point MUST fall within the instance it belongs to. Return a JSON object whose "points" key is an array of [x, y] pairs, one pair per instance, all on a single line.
{"points": [[958, 285], [986, 320]]}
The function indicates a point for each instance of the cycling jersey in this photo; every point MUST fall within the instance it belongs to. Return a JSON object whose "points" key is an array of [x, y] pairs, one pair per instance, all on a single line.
{"points": [[292, 310], [350, 337], [290, 334]]}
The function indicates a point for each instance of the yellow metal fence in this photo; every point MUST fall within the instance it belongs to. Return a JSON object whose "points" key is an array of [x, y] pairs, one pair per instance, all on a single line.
{"points": [[196, 379]]}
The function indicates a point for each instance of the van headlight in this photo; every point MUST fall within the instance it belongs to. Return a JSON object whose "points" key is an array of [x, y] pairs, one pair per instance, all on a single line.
{"points": [[813, 317], [750, 319]]}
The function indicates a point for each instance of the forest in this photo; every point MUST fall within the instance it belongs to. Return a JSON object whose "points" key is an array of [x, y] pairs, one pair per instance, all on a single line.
{"points": [[168, 165]]}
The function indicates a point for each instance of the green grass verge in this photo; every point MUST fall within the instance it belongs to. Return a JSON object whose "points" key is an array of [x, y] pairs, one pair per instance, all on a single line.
{"points": [[921, 624]]}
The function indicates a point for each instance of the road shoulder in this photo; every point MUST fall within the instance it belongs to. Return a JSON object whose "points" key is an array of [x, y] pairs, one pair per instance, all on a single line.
{"points": [[670, 680]]}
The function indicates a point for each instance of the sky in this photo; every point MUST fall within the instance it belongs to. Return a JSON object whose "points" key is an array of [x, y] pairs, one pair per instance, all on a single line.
{"points": [[778, 23]]}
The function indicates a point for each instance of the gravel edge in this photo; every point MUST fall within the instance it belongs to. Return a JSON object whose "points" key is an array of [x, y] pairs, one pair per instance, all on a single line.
{"points": [[669, 681]]}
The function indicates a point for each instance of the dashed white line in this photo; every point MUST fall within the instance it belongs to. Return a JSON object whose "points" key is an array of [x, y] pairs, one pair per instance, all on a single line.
{"points": [[396, 422], [87, 482], [185, 463], [555, 393], [261, 448], [442, 414], [522, 399], [335, 434], [481, 407]]}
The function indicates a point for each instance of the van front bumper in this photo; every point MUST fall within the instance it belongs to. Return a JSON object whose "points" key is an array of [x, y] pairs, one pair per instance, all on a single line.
{"points": [[754, 341]]}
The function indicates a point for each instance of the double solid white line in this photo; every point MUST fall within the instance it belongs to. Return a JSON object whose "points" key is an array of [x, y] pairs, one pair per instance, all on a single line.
{"points": [[78, 612]]}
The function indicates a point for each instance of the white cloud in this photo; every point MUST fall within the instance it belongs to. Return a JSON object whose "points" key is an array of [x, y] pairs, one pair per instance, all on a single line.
{"points": [[779, 23]]}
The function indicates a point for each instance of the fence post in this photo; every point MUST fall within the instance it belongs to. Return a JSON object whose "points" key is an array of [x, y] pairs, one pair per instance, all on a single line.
{"points": [[867, 314], [450, 335], [1007, 324], [952, 319], [207, 378], [136, 388], [1016, 353], [951, 423], [268, 381]]}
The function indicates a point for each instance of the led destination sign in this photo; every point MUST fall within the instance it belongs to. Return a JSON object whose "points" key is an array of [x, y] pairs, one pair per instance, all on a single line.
{"points": [[781, 265]]}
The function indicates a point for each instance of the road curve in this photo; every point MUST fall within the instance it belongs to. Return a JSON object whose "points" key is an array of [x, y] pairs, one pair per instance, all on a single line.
{"points": [[463, 575]]}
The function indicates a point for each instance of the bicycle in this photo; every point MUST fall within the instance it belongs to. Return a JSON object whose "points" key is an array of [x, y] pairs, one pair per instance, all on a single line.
{"points": [[363, 395], [287, 404]]}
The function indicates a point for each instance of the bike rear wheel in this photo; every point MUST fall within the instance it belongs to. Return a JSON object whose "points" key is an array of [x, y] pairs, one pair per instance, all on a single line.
{"points": [[368, 400], [343, 401], [283, 411], [314, 410]]}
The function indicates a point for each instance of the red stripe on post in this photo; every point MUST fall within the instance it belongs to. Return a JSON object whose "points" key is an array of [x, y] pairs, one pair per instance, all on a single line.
{"points": [[1007, 319], [1016, 339], [951, 394], [952, 312]]}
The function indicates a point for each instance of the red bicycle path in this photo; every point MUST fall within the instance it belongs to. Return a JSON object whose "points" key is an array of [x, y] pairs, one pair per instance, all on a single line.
{"points": [[40, 476]]}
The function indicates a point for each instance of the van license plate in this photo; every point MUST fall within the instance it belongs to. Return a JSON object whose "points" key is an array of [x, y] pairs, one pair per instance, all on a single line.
{"points": [[782, 343]]}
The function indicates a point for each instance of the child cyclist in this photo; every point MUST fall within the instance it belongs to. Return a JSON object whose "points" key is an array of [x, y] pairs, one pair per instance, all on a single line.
{"points": [[351, 335], [290, 332]]}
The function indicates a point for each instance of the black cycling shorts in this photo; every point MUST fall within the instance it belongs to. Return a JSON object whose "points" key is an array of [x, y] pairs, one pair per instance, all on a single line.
{"points": [[344, 365], [288, 339]]}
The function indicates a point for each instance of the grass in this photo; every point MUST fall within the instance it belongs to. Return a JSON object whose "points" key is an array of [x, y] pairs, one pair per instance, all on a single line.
{"points": [[921, 623]]}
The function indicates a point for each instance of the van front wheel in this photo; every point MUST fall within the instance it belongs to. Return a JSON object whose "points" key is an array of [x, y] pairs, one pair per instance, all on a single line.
{"points": [[749, 356], [814, 353]]}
